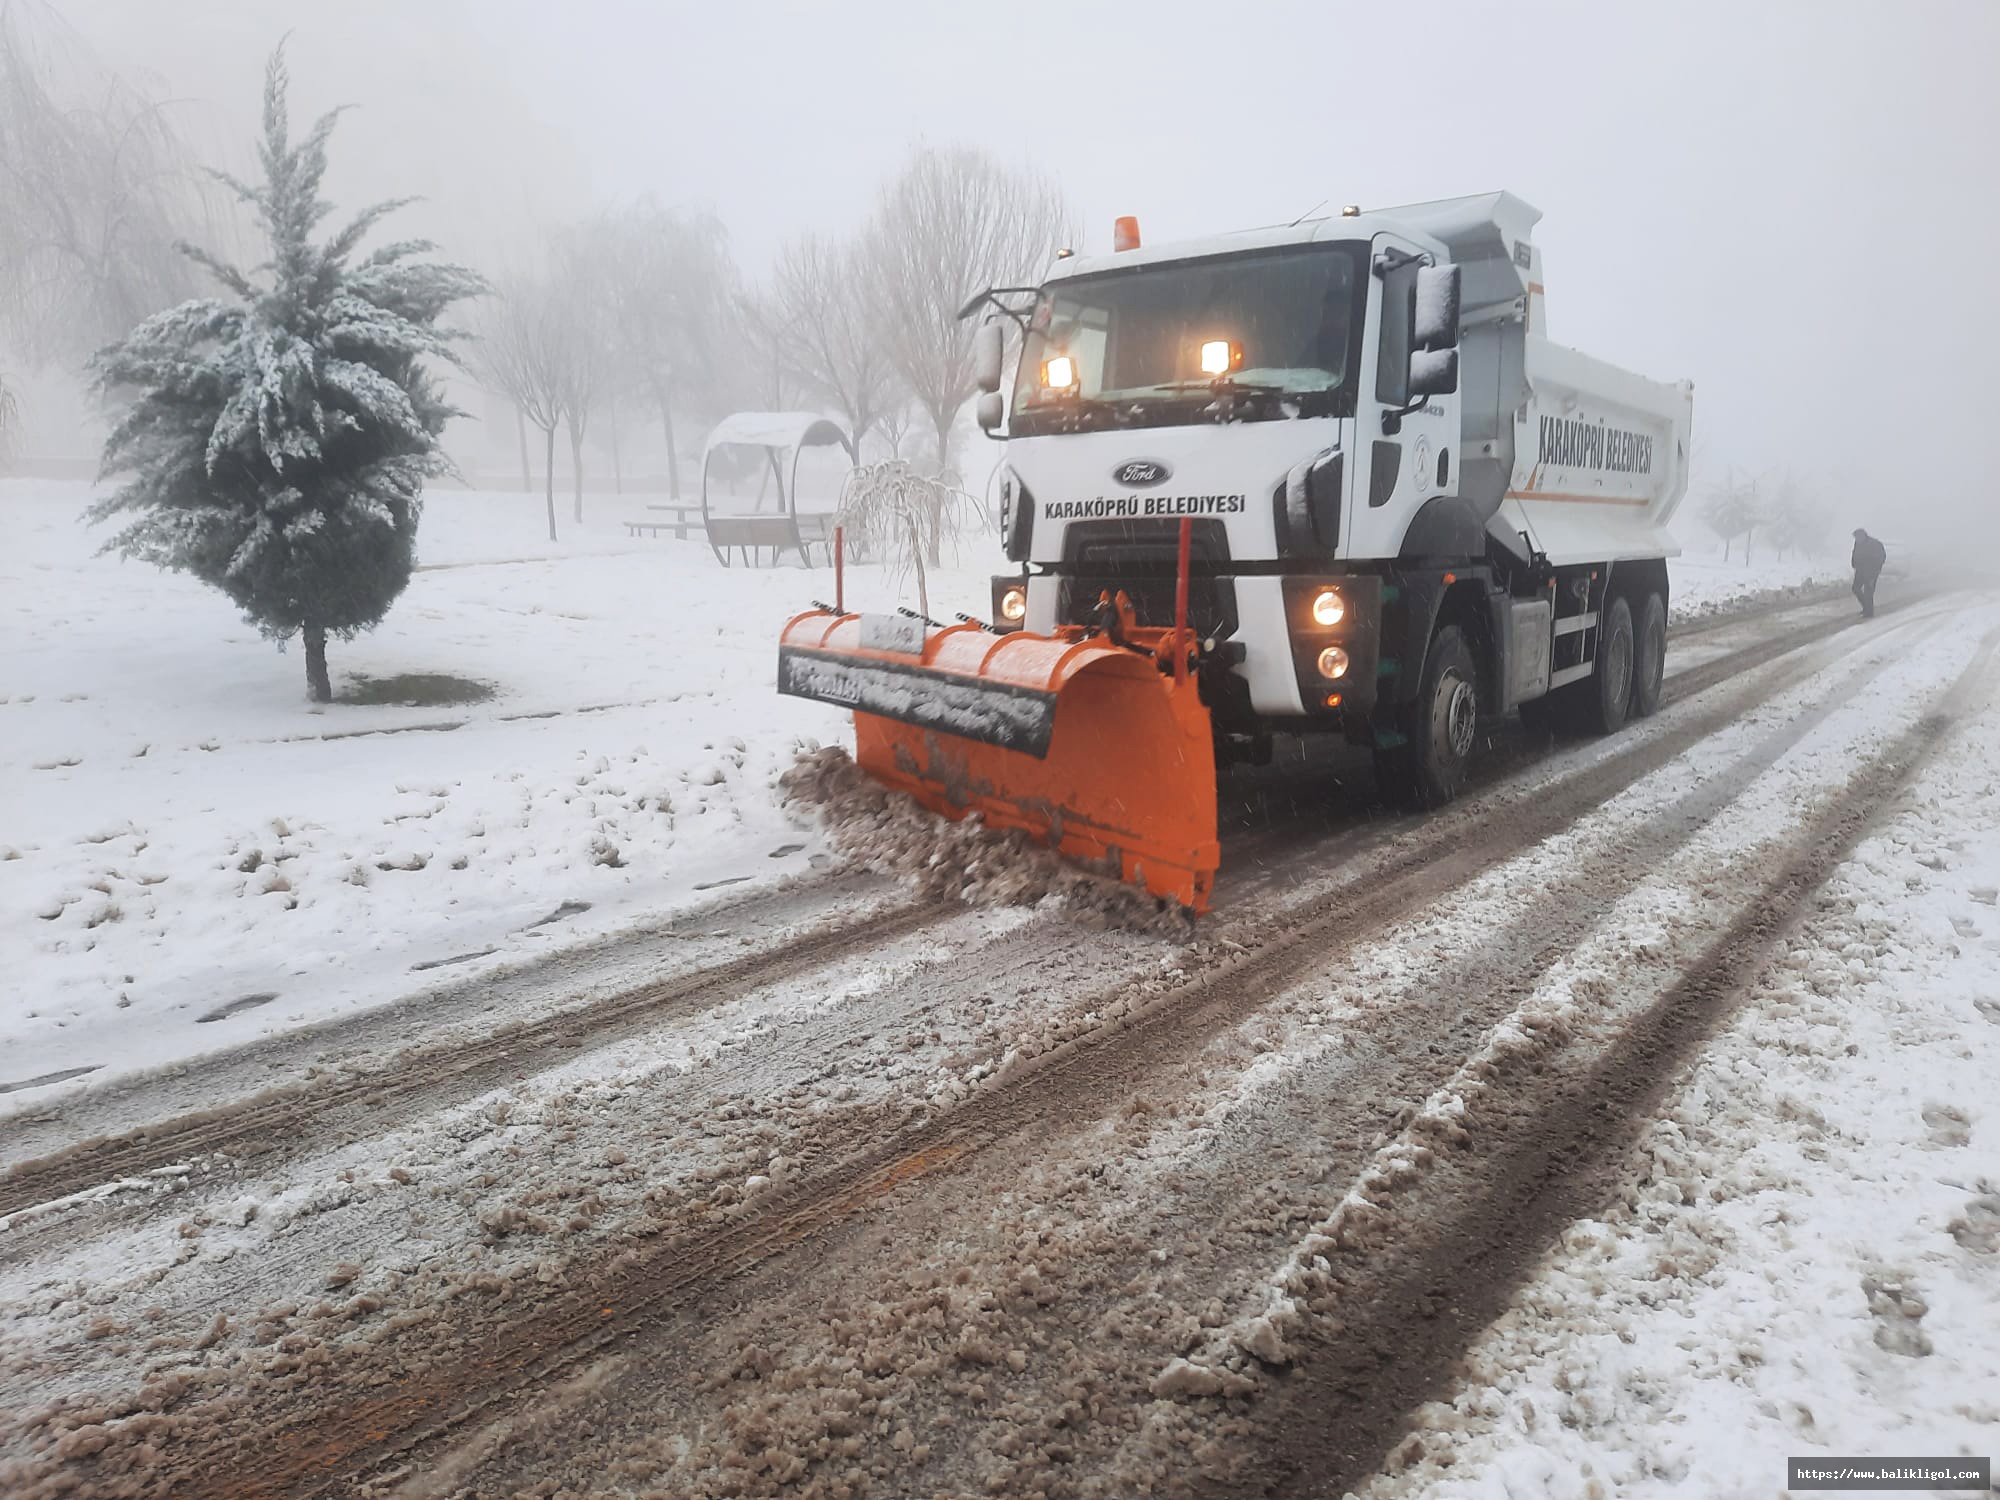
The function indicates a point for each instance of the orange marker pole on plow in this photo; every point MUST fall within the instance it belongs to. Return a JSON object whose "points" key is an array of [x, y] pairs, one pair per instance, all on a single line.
{"points": [[1181, 601]]}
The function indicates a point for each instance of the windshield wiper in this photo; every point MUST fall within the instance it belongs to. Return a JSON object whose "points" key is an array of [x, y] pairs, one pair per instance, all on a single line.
{"points": [[1079, 406], [1224, 387]]}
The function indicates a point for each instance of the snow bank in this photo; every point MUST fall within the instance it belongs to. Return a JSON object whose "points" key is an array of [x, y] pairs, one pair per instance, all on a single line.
{"points": [[1704, 586]]}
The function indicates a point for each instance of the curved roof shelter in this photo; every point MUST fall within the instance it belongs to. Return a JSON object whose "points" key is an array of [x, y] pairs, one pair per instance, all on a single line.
{"points": [[782, 430], [780, 434]]}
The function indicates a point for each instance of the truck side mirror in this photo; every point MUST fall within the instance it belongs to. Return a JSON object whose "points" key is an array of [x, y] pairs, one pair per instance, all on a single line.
{"points": [[987, 355], [1399, 314], [1433, 372], [1437, 307], [992, 409]]}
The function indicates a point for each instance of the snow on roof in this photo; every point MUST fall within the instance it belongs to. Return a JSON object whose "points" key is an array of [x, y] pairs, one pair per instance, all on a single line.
{"points": [[784, 430]]}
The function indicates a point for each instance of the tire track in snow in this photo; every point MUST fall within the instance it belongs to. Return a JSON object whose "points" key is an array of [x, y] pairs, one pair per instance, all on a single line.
{"points": [[487, 1357], [1411, 1306], [286, 1122]]}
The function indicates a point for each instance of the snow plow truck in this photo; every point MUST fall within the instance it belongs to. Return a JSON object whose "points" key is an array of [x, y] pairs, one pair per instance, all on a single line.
{"points": [[1330, 477]]}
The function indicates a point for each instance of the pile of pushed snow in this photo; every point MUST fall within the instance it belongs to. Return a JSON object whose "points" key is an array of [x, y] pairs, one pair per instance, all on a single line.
{"points": [[890, 833]]}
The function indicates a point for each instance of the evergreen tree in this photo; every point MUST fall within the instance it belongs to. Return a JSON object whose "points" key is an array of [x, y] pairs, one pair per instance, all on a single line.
{"points": [[280, 436]]}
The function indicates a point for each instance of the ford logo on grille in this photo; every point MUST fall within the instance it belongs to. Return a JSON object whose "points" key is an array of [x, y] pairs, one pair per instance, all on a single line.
{"points": [[1140, 472]]}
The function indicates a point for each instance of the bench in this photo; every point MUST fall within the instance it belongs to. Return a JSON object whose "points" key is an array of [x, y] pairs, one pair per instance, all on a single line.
{"points": [[781, 533], [654, 528]]}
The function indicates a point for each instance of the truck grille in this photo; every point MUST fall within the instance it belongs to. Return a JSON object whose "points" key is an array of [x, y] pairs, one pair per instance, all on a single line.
{"points": [[1141, 557]]}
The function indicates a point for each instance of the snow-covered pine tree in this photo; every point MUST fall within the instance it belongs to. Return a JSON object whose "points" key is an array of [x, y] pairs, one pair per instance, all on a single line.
{"points": [[280, 437]]}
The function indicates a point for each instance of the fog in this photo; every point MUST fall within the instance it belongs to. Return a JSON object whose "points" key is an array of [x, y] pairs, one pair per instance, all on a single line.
{"points": [[1776, 201]]}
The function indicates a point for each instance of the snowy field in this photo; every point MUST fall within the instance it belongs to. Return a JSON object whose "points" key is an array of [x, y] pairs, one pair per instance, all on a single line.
{"points": [[192, 854]]}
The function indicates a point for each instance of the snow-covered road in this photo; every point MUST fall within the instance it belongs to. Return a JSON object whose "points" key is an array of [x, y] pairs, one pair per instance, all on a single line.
{"points": [[834, 1189]]}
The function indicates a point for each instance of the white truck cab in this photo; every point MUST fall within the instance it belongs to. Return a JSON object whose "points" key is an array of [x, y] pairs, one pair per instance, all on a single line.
{"points": [[1411, 513]]}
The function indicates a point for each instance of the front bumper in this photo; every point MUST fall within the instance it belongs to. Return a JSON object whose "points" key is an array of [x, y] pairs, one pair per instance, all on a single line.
{"points": [[1264, 670]]}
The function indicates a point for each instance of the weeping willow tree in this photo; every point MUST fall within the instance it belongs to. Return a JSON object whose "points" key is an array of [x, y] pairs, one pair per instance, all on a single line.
{"points": [[96, 187], [280, 435]]}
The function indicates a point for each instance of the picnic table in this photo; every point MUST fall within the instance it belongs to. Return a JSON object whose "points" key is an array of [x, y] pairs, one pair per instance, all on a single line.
{"points": [[684, 516]]}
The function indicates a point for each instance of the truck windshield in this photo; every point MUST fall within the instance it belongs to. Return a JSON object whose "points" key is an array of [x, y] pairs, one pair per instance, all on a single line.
{"points": [[1134, 340]]}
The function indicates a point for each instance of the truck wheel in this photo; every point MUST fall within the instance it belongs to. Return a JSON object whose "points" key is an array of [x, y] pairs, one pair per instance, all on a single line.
{"points": [[1610, 686], [1649, 657], [1428, 768]]}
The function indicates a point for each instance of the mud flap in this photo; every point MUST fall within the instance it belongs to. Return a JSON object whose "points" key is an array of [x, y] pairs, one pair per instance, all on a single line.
{"points": [[1087, 747]]}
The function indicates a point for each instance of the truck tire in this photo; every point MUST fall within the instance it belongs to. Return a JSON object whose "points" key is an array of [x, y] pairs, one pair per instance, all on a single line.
{"points": [[1649, 657], [1607, 692], [1428, 769]]}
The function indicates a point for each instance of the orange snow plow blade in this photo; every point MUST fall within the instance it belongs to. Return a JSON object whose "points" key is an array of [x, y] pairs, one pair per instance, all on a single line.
{"points": [[1089, 747]]}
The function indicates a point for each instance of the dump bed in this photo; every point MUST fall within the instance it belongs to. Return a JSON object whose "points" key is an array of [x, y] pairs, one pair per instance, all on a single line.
{"points": [[1590, 461], [1600, 458]]}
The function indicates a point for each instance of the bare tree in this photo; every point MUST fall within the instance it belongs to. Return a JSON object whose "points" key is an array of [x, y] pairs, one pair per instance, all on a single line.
{"points": [[1734, 508], [894, 425], [763, 364], [954, 222], [1795, 520], [10, 416], [522, 354], [96, 188], [582, 310], [671, 286], [821, 315]]}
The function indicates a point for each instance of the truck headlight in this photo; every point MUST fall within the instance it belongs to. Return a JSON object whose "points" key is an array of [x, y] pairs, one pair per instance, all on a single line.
{"points": [[1333, 662], [1059, 374], [1328, 607], [1014, 604]]}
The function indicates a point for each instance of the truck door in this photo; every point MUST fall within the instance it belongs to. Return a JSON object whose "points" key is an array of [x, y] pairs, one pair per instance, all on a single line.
{"points": [[1404, 452]]}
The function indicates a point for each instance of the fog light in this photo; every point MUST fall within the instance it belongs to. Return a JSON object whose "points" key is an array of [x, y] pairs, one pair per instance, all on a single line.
{"points": [[1329, 608], [1333, 662], [1014, 604], [1215, 357]]}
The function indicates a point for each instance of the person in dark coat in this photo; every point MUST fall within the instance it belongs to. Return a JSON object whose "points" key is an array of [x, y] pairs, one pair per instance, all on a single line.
{"points": [[1868, 558]]}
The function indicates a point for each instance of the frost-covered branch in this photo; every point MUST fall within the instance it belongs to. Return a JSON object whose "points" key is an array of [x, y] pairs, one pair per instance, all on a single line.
{"points": [[900, 517]]}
